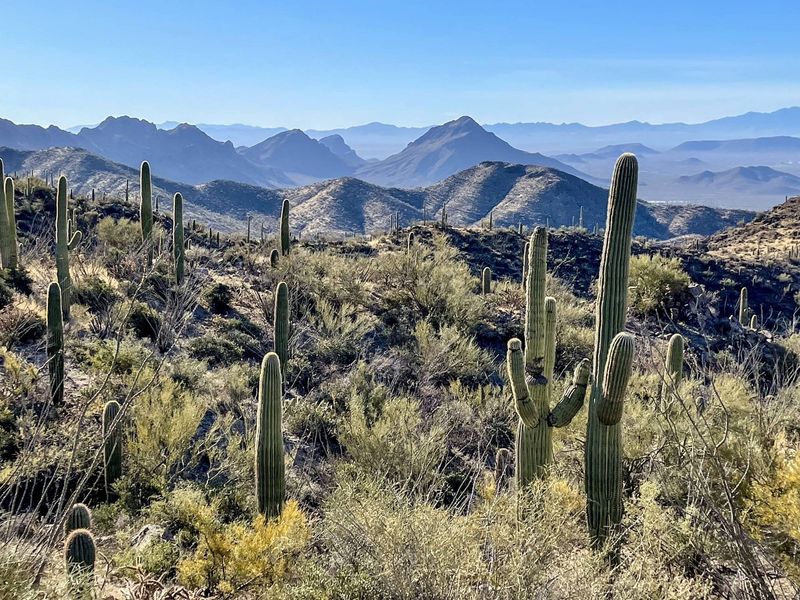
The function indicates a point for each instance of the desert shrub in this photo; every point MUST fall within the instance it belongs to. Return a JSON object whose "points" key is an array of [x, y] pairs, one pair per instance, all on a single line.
{"points": [[339, 333], [398, 445], [217, 351], [19, 324], [95, 293], [446, 355], [19, 279], [243, 334], [121, 235], [6, 294], [312, 421], [218, 298], [164, 420], [104, 356], [657, 284], [144, 321]]}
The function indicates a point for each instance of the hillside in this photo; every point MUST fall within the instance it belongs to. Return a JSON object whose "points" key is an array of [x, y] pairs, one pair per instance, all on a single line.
{"points": [[514, 194]]}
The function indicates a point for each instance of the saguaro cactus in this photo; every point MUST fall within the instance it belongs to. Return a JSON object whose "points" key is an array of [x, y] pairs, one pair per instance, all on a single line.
{"points": [[285, 240], [613, 351], [79, 517], [754, 322], [486, 281], [64, 245], [673, 365], [112, 443], [281, 323], [13, 252], [146, 210], [274, 257], [55, 343], [178, 237], [269, 463], [5, 228], [744, 310], [79, 552]]}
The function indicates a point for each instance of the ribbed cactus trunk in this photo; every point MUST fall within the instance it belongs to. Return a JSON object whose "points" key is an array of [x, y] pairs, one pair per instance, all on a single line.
{"points": [[274, 257], [112, 444], [525, 258], [79, 552], [603, 437], [146, 210], [486, 281], [55, 343], [281, 324], [754, 322], [744, 309], [285, 239], [269, 463], [13, 248], [64, 244], [178, 237], [673, 366], [527, 372], [5, 228], [79, 517]]}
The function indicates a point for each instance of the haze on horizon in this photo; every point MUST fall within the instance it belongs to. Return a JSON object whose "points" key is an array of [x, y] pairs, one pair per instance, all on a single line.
{"points": [[325, 65]]}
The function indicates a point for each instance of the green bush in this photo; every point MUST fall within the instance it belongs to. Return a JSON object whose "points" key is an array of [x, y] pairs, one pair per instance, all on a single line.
{"points": [[218, 298], [657, 284], [217, 351], [95, 293], [144, 321]]}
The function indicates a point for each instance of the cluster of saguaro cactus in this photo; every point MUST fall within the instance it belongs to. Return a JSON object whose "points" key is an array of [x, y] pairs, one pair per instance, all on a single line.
{"points": [[269, 464], [146, 210], [55, 343], [112, 443], [281, 323], [178, 237], [285, 239], [486, 281], [64, 244]]}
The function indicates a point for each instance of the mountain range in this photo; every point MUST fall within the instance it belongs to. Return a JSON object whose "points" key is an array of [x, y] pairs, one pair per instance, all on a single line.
{"points": [[511, 193]]}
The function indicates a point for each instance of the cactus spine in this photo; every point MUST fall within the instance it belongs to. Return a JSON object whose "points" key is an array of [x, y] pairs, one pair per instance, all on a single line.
{"points": [[673, 365], [79, 517], [79, 552], [281, 323], [743, 307], [613, 352], [269, 463], [178, 237], [146, 210], [486, 281], [55, 343], [285, 240], [63, 246], [112, 443]]}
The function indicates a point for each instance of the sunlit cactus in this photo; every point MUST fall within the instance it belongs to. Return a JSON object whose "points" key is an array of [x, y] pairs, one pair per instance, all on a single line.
{"points": [[112, 443], [281, 323], [269, 463], [285, 239], [78, 517], [146, 210], [486, 281], [64, 244], [178, 237]]}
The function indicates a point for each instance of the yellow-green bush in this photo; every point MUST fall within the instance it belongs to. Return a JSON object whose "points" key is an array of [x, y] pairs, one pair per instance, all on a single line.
{"points": [[657, 284]]}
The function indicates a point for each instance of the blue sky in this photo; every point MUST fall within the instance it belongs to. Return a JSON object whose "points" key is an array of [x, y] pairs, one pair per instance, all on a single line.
{"points": [[308, 64]]}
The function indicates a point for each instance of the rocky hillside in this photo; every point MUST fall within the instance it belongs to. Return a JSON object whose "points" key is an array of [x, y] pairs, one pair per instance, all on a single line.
{"points": [[772, 234]]}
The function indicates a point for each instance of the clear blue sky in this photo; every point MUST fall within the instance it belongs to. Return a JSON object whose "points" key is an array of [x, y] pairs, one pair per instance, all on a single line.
{"points": [[298, 63]]}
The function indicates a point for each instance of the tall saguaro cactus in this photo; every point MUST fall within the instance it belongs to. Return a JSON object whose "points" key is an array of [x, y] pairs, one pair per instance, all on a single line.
{"points": [[146, 210], [285, 240], [112, 443], [486, 281], [744, 309], [613, 352], [13, 252], [64, 244], [5, 230], [55, 343], [178, 237], [269, 463], [281, 324]]}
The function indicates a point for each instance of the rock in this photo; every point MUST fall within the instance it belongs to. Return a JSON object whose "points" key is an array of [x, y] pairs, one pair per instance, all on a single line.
{"points": [[148, 534]]}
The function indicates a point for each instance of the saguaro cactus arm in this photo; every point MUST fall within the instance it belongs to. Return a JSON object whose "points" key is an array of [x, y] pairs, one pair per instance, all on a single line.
{"points": [[515, 362], [573, 397], [615, 379]]}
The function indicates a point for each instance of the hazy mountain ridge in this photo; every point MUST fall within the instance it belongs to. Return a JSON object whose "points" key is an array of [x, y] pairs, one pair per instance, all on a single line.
{"points": [[512, 193]]}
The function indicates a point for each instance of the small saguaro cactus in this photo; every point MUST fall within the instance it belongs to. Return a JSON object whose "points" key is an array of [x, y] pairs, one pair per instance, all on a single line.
{"points": [[64, 245], [754, 322], [281, 323], [274, 257], [519, 229], [78, 517], [491, 219], [11, 232], [79, 552], [409, 242], [673, 365], [743, 308], [502, 459], [55, 343], [178, 237], [146, 210], [269, 463], [112, 443], [285, 239], [486, 281]]}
